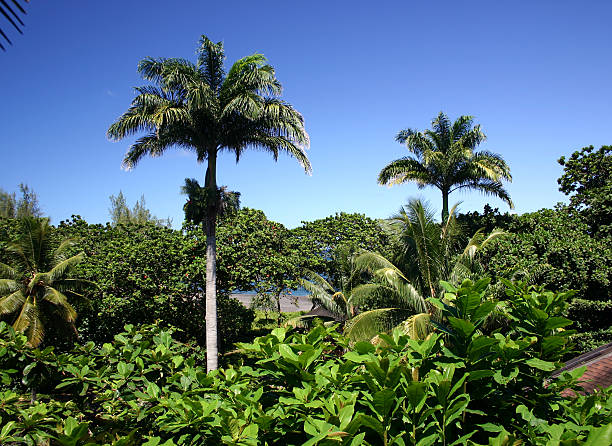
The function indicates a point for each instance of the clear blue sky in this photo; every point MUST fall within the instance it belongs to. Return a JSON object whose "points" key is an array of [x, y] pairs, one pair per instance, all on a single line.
{"points": [[536, 75]]}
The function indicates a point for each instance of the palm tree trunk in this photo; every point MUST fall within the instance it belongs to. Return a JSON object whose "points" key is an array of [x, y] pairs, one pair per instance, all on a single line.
{"points": [[444, 205], [211, 265]]}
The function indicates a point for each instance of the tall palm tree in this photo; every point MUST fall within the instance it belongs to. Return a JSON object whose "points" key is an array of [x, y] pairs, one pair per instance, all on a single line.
{"points": [[446, 157], [202, 108], [36, 283]]}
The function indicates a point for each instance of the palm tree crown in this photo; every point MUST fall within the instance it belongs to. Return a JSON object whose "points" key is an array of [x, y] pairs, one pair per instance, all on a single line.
{"points": [[37, 282], [199, 107], [445, 157], [204, 109]]}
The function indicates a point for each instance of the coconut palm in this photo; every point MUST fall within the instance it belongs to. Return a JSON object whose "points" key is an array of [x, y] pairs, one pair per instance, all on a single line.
{"points": [[201, 108], [426, 253], [446, 157], [37, 282]]}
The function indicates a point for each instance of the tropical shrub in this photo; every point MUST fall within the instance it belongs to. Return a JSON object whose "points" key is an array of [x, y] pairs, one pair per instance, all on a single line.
{"points": [[461, 385]]}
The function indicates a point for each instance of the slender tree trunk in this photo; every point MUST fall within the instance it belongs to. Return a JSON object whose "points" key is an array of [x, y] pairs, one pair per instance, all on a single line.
{"points": [[444, 205], [211, 265]]}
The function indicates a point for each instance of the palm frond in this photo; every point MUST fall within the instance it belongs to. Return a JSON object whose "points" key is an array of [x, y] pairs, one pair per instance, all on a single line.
{"points": [[35, 330], [461, 126], [8, 286], [211, 57], [7, 272], [63, 268], [368, 324], [365, 293], [488, 187], [250, 74], [403, 170], [368, 261], [417, 327], [13, 18], [61, 301], [325, 297], [12, 303], [64, 246]]}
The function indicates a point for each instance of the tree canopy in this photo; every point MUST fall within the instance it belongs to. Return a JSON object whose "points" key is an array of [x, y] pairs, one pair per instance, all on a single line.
{"points": [[587, 179]]}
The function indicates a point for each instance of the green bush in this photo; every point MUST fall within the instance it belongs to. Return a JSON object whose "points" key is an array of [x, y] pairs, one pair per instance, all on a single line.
{"points": [[553, 248], [146, 273], [461, 385], [590, 340]]}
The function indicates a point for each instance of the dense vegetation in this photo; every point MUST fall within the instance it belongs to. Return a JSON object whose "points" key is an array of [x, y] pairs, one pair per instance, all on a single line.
{"points": [[462, 385], [437, 333]]}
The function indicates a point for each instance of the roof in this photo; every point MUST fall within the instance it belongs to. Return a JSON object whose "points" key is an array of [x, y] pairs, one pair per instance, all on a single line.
{"points": [[599, 368]]}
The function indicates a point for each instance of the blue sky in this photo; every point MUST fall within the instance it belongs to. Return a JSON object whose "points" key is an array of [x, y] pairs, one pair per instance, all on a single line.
{"points": [[536, 75]]}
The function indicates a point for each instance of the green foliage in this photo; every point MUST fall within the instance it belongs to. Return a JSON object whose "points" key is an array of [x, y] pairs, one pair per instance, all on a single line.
{"points": [[38, 279], [8, 204], [256, 254], [147, 273], [317, 240], [553, 248], [593, 323], [590, 340], [26, 206], [590, 315], [199, 199], [335, 294], [424, 254], [488, 221], [459, 386], [587, 178]]}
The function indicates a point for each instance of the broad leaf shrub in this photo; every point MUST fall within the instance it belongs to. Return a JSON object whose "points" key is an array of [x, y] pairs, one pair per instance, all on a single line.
{"points": [[466, 383]]}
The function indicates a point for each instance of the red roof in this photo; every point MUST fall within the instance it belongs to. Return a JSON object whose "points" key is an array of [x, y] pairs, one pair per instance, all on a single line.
{"points": [[599, 368]]}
